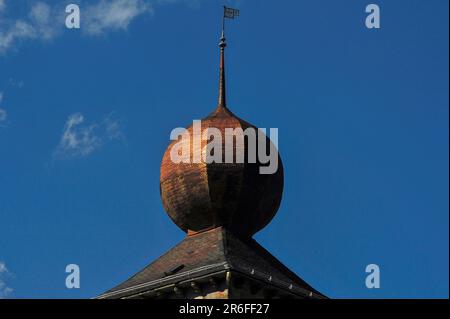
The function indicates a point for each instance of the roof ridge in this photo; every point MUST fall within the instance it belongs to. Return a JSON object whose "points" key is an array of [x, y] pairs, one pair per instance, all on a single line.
{"points": [[224, 242]]}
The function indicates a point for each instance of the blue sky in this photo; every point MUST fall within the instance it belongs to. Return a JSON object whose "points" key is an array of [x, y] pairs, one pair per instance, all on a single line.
{"points": [[85, 116]]}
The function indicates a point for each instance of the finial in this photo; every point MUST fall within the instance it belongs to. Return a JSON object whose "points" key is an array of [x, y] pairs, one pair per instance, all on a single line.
{"points": [[230, 14]]}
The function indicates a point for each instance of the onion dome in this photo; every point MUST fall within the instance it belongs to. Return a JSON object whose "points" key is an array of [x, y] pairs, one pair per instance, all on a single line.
{"points": [[200, 196]]}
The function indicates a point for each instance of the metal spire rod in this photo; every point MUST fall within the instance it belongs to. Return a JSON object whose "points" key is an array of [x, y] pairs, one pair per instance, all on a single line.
{"points": [[230, 14], [223, 22], [222, 45]]}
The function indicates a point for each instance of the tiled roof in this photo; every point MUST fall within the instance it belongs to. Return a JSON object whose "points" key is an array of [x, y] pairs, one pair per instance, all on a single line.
{"points": [[207, 253]]}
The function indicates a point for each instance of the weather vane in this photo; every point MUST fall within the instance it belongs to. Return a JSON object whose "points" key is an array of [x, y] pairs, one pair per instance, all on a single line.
{"points": [[228, 13]]}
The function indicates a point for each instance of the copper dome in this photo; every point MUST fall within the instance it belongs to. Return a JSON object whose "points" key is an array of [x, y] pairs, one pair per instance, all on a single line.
{"points": [[201, 196]]}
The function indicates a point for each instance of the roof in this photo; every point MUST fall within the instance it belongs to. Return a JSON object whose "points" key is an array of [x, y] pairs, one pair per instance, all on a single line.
{"points": [[210, 252]]}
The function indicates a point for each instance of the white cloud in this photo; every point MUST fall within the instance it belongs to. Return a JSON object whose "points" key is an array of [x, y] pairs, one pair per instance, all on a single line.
{"points": [[4, 289], [113, 15], [16, 31], [112, 127], [16, 83], [45, 22], [41, 16], [3, 114], [80, 139], [76, 140]]}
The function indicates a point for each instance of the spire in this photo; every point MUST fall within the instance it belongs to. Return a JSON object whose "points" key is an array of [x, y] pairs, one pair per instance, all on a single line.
{"points": [[222, 92], [228, 13]]}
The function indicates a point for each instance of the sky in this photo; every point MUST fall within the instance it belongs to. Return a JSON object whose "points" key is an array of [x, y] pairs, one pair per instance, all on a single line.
{"points": [[362, 114]]}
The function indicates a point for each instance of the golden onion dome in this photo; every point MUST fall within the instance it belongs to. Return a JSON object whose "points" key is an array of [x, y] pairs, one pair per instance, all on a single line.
{"points": [[199, 196]]}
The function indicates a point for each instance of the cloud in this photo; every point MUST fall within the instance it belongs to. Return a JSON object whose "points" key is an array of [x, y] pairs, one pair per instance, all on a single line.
{"points": [[45, 22], [16, 83], [42, 23], [80, 139], [4, 272], [3, 114], [12, 83], [76, 140], [41, 17], [16, 31], [113, 15]]}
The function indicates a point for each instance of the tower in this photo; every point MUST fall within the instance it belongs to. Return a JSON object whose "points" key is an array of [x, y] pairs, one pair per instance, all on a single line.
{"points": [[220, 205]]}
